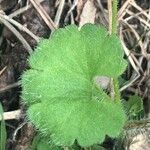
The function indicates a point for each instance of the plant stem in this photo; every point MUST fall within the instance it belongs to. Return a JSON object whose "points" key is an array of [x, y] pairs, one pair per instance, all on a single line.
{"points": [[109, 2], [116, 90], [112, 10], [114, 16]]}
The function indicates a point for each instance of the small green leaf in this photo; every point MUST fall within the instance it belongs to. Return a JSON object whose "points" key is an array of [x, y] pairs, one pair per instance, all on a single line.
{"points": [[134, 106], [35, 142], [42, 143], [97, 147]]}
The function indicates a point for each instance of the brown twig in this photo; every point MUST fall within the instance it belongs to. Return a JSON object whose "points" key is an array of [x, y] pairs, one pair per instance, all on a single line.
{"points": [[122, 10], [1, 72], [59, 12], [137, 16], [72, 7], [17, 34], [22, 10], [137, 37], [21, 27], [8, 87], [16, 114], [140, 9], [43, 14], [110, 15]]}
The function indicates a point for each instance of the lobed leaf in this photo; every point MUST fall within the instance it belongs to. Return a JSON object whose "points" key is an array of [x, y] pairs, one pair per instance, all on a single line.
{"points": [[64, 103]]}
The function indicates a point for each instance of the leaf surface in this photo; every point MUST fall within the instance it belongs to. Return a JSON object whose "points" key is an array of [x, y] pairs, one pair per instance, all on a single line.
{"points": [[59, 89]]}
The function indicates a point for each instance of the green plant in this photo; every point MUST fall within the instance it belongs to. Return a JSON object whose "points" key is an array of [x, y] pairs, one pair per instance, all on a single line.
{"points": [[42, 143], [114, 16], [3, 134], [134, 107], [64, 101]]}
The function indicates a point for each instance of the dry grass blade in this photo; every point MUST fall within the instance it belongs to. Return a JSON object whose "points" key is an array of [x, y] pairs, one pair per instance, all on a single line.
{"points": [[16, 114], [59, 12], [130, 83], [22, 10], [16, 33], [140, 9], [6, 88], [70, 13], [110, 15], [137, 16], [21, 27], [103, 11], [122, 10], [44, 15], [128, 53], [1, 72], [137, 37]]}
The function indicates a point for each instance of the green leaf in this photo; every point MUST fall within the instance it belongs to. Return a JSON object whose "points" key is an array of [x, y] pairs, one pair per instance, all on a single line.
{"points": [[3, 134], [134, 106], [35, 142], [64, 102], [97, 147], [42, 143]]}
